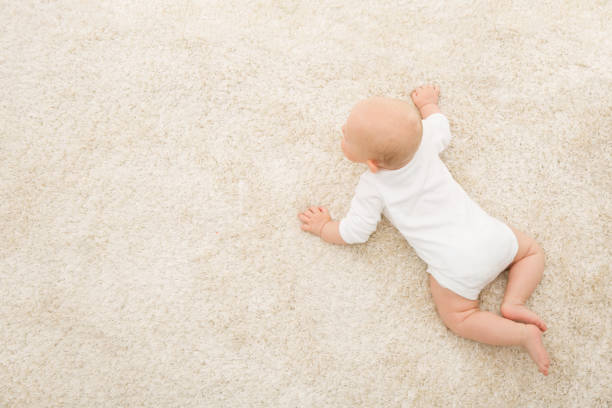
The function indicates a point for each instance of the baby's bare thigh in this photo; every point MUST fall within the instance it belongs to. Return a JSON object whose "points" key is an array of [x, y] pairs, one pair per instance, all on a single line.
{"points": [[526, 244], [448, 302]]}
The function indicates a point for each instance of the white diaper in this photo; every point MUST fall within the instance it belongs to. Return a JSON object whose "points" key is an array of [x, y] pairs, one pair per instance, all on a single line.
{"points": [[477, 258]]}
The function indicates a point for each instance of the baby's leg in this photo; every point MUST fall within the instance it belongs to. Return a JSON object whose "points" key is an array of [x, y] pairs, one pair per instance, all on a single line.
{"points": [[463, 317], [525, 273]]}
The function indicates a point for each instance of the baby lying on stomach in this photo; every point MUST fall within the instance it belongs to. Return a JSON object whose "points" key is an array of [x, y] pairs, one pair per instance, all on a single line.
{"points": [[463, 246]]}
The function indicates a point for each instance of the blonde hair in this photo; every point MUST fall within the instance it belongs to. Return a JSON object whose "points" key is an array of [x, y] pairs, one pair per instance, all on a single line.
{"points": [[391, 130]]}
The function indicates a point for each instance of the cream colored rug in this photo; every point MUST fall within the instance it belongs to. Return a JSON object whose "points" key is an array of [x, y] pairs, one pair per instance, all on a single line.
{"points": [[154, 157]]}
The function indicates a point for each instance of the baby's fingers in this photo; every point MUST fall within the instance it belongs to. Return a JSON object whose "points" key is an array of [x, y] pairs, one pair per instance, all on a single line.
{"points": [[306, 226]]}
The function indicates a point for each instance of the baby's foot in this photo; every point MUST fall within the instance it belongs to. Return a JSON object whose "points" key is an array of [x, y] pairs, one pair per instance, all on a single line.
{"points": [[520, 313], [535, 348]]}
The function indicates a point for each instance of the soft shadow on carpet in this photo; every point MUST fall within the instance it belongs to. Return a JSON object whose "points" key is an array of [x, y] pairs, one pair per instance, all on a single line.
{"points": [[154, 157]]}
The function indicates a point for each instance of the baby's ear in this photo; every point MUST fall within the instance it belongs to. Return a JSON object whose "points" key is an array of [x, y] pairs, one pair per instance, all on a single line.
{"points": [[372, 165]]}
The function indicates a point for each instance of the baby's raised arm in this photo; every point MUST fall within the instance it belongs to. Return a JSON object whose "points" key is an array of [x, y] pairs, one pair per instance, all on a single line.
{"points": [[366, 206], [425, 98], [317, 220]]}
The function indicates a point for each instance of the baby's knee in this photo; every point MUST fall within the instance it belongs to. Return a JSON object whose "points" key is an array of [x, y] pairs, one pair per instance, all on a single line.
{"points": [[455, 320], [537, 250], [534, 247]]}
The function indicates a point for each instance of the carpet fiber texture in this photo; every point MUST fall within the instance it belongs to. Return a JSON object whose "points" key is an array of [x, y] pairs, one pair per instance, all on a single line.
{"points": [[154, 157]]}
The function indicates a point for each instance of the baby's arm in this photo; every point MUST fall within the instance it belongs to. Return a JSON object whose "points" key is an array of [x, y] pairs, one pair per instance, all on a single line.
{"points": [[317, 220], [425, 98]]}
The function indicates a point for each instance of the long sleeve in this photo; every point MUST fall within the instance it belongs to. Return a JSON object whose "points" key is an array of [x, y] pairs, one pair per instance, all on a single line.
{"points": [[440, 130], [364, 213]]}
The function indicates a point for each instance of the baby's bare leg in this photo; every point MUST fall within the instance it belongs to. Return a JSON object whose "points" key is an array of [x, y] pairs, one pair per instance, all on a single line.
{"points": [[525, 274], [464, 318]]}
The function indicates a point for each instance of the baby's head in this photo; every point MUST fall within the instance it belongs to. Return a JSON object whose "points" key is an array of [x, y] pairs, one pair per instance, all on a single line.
{"points": [[383, 133]]}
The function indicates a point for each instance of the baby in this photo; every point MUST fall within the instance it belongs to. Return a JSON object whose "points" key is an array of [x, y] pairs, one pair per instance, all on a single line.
{"points": [[463, 246]]}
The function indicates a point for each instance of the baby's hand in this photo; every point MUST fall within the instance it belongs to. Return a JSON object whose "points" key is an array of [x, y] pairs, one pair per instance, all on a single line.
{"points": [[424, 95], [313, 219], [425, 98]]}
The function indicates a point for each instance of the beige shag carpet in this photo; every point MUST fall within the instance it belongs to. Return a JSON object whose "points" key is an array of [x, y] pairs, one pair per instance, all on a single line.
{"points": [[154, 156]]}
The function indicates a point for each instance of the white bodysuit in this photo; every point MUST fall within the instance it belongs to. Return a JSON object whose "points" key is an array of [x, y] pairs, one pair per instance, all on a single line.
{"points": [[463, 246]]}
